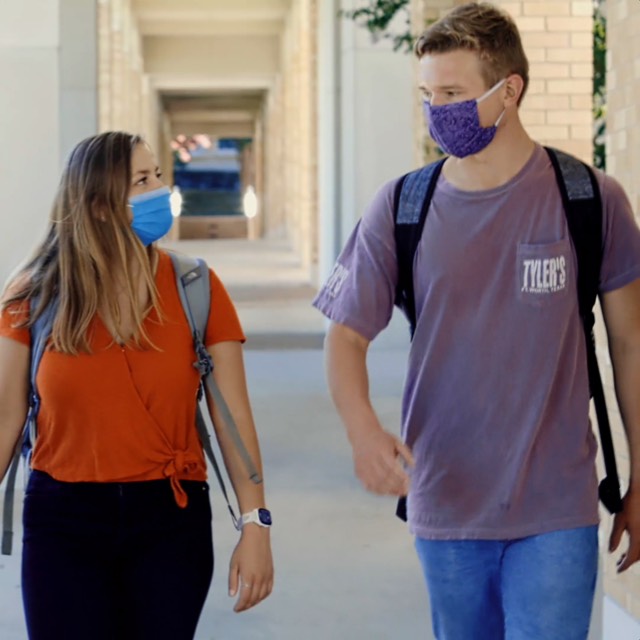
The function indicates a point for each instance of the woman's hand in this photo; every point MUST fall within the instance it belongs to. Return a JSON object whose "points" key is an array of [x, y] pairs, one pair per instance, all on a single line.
{"points": [[251, 567]]}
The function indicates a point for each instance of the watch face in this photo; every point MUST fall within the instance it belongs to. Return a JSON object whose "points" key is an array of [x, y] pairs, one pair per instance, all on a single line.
{"points": [[265, 517]]}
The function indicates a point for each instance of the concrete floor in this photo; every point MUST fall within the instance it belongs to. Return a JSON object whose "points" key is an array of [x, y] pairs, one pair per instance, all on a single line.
{"points": [[345, 566]]}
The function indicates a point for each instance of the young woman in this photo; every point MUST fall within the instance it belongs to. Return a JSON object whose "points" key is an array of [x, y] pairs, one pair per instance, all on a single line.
{"points": [[117, 520]]}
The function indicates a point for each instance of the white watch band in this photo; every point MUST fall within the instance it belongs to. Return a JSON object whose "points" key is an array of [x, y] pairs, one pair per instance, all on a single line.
{"points": [[261, 517]]}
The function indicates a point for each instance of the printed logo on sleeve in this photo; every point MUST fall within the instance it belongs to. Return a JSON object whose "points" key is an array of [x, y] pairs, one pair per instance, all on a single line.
{"points": [[336, 280], [544, 275]]}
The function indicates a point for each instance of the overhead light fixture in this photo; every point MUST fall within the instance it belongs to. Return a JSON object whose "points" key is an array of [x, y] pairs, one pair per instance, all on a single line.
{"points": [[250, 202], [175, 201]]}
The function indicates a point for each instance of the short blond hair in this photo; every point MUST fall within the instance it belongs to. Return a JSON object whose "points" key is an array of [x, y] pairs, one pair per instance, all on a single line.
{"points": [[485, 29]]}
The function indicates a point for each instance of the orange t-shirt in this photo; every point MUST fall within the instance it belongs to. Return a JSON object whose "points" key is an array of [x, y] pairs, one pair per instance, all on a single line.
{"points": [[123, 413]]}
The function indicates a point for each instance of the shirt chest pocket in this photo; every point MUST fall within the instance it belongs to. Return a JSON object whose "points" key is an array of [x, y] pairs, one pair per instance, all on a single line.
{"points": [[544, 272]]}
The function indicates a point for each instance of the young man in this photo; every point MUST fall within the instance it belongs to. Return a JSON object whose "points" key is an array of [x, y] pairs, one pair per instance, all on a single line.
{"points": [[497, 455]]}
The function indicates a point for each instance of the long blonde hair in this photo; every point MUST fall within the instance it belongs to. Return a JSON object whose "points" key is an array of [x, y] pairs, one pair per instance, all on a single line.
{"points": [[89, 243]]}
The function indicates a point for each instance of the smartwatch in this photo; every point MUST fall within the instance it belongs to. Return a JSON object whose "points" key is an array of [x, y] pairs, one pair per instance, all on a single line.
{"points": [[261, 517]]}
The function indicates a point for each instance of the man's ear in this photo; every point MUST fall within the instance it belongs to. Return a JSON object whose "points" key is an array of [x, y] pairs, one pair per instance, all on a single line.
{"points": [[514, 86]]}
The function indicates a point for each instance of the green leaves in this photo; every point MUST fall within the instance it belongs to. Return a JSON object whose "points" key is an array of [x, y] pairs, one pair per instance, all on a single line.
{"points": [[599, 85], [377, 17]]}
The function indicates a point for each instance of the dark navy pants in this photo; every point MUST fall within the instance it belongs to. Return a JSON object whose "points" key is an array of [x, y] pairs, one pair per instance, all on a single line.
{"points": [[114, 561]]}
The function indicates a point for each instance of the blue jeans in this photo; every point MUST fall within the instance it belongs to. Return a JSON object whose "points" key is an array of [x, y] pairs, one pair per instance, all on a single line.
{"points": [[106, 561], [535, 588]]}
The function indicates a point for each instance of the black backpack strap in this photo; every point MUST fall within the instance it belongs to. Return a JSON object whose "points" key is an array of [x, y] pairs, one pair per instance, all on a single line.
{"points": [[412, 199], [583, 208]]}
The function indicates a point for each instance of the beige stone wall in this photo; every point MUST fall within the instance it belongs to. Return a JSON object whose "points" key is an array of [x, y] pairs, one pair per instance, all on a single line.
{"points": [[558, 42], [623, 162], [274, 178], [291, 137], [123, 88]]}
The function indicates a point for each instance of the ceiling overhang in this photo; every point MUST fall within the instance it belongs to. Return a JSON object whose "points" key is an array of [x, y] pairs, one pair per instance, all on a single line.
{"points": [[211, 62]]}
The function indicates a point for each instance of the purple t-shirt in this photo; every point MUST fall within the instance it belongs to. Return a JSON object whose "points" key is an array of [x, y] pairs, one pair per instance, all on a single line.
{"points": [[496, 401]]}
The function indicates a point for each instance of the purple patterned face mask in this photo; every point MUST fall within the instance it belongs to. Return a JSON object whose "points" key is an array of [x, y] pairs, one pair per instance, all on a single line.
{"points": [[456, 127]]}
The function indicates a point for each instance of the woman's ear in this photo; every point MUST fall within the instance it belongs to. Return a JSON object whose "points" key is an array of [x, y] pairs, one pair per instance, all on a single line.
{"points": [[97, 209]]}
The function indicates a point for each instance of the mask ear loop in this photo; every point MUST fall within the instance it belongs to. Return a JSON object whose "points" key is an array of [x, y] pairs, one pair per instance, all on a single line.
{"points": [[488, 93], [492, 90], [499, 120]]}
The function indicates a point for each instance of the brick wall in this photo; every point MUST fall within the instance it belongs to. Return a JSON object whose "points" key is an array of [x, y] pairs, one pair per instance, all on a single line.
{"points": [[557, 36]]}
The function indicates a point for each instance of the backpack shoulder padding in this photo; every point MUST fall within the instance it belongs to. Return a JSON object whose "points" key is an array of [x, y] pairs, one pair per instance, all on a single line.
{"points": [[583, 209], [192, 276], [412, 198]]}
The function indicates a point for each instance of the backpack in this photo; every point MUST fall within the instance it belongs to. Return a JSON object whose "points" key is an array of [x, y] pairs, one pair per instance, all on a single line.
{"points": [[583, 209], [192, 279]]}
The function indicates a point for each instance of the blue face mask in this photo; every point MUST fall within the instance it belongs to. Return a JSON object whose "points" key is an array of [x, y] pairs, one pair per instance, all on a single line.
{"points": [[152, 217]]}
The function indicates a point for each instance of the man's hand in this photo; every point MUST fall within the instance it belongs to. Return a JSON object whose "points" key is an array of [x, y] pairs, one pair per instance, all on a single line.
{"points": [[627, 520], [379, 459]]}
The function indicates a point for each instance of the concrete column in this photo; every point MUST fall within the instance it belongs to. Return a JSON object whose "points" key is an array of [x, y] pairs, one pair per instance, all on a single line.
{"points": [[255, 225], [366, 95], [275, 145], [104, 65], [329, 157], [47, 103], [125, 91], [116, 64], [78, 72], [308, 133], [290, 128]]}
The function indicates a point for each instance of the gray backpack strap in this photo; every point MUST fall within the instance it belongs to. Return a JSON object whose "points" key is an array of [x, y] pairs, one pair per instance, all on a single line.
{"points": [[40, 332], [205, 440], [192, 277], [8, 503]]}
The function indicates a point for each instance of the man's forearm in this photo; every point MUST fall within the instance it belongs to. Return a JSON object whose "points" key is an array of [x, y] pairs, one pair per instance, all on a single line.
{"points": [[346, 365], [626, 366]]}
